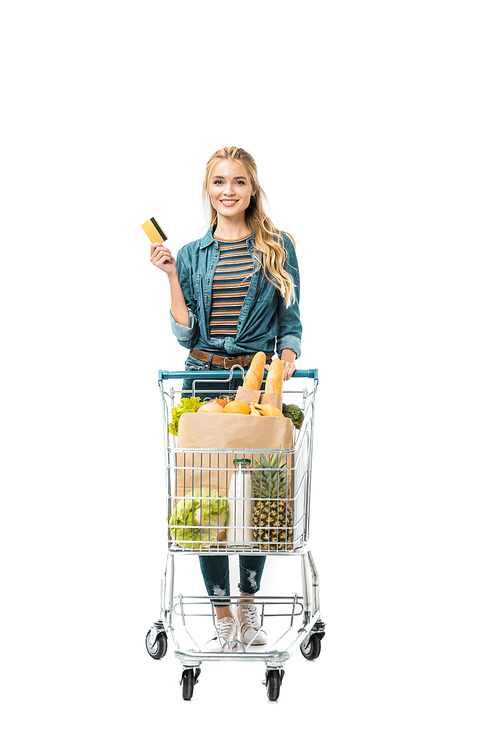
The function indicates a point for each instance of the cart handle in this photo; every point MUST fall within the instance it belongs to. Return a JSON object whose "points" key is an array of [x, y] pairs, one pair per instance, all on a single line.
{"points": [[164, 374]]}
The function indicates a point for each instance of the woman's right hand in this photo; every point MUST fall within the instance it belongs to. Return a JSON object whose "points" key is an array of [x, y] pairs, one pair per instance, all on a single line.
{"points": [[163, 259]]}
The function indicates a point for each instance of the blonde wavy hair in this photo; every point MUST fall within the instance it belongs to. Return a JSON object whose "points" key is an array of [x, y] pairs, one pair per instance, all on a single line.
{"points": [[268, 239]]}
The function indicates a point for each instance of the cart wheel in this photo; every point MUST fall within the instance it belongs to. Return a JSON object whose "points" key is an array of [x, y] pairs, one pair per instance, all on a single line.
{"points": [[159, 648], [274, 677], [311, 648], [188, 679]]}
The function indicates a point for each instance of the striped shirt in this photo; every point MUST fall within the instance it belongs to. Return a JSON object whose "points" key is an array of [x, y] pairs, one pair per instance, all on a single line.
{"points": [[230, 285]]}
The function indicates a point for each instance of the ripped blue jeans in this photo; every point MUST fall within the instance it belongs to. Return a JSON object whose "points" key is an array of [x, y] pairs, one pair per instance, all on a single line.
{"points": [[215, 571]]}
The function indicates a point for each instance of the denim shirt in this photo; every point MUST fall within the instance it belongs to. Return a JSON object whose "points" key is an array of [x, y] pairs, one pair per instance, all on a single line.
{"points": [[264, 323]]}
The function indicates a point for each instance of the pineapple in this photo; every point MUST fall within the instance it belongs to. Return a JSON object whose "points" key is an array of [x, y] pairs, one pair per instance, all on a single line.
{"points": [[272, 515]]}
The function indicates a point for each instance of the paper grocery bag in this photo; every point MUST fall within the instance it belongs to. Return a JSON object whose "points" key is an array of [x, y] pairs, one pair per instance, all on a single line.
{"points": [[218, 432], [273, 400], [247, 395]]}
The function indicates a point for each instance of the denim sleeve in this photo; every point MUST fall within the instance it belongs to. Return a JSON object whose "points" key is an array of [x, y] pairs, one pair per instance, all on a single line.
{"points": [[289, 324], [186, 336]]}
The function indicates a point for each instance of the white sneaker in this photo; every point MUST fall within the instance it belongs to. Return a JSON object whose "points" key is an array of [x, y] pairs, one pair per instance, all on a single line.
{"points": [[249, 624], [226, 634]]}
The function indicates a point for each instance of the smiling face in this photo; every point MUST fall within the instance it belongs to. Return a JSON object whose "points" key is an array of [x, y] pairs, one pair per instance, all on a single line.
{"points": [[230, 189]]}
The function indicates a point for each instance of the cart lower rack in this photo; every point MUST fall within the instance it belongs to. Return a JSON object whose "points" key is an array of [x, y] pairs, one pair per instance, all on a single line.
{"points": [[238, 501]]}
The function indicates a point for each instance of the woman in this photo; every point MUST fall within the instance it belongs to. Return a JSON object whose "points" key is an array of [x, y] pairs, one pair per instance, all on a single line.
{"points": [[233, 293]]}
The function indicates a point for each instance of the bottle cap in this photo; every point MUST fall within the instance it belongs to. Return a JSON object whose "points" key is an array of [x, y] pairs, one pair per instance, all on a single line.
{"points": [[242, 460]]}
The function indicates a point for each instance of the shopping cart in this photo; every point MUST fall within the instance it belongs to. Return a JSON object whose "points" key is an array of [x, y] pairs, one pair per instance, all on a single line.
{"points": [[273, 522]]}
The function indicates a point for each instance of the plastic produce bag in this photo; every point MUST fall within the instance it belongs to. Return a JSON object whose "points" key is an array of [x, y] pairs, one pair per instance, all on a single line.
{"points": [[198, 518]]}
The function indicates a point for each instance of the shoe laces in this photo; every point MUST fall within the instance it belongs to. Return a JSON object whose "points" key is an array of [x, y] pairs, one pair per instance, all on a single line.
{"points": [[250, 617], [224, 627]]}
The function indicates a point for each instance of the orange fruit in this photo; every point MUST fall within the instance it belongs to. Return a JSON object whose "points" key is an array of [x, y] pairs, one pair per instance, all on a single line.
{"points": [[220, 401], [211, 407], [237, 407]]}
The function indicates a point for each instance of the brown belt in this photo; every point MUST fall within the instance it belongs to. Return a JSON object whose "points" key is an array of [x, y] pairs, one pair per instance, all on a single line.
{"points": [[226, 362]]}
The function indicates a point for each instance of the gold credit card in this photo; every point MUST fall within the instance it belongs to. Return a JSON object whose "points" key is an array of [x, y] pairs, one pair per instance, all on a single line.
{"points": [[154, 230]]}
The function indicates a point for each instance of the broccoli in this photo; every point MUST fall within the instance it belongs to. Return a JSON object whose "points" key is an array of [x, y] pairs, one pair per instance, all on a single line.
{"points": [[294, 413]]}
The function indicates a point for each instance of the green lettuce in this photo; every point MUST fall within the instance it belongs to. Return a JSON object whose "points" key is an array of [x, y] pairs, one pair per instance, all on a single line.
{"points": [[186, 405], [197, 517]]}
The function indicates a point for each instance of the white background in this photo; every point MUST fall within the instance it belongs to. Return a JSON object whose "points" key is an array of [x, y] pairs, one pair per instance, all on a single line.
{"points": [[375, 128]]}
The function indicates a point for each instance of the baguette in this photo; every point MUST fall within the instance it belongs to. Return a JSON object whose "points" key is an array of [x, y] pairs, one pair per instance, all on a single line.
{"points": [[274, 379], [254, 376]]}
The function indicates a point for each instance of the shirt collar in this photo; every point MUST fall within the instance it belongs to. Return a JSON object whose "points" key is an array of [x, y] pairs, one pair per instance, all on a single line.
{"points": [[207, 240]]}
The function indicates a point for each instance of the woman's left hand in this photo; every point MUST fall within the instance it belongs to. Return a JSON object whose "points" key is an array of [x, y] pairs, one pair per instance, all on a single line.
{"points": [[288, 359], [288, 369]]}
